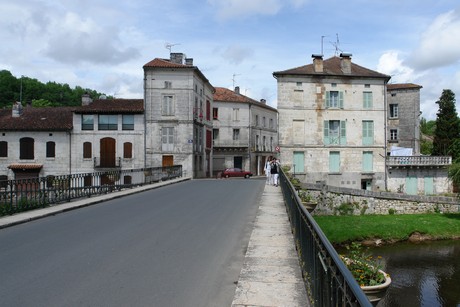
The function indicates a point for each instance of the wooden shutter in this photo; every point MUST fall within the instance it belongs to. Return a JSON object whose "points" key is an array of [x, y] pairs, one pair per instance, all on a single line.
{"points": [[127, 150]]}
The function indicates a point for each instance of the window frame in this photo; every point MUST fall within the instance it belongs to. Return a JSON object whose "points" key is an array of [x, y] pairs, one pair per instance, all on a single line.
{"points": [[50, 149], [394, 108], [26, 148], [87, 150], [368, 130], [167, 105], [107, 122], [87, 118], [367, 100], [130, 124], [3, 149]]}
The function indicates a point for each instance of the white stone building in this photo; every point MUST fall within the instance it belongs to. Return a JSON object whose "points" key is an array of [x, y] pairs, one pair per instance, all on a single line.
{"points": [[332, 122], [178, 103], [245, 131]]}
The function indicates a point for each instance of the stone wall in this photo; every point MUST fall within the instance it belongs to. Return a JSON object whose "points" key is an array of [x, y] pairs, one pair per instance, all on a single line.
{"points": [[339, 201]]}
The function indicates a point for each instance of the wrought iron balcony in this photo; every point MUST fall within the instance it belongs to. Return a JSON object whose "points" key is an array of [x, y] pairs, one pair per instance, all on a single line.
{"points": [[107, 163], [419, 161]]}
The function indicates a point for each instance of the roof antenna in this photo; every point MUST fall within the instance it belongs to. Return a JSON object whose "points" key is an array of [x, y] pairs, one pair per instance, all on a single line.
{"points": [[233, 79], [169, 46], [336, 45]]}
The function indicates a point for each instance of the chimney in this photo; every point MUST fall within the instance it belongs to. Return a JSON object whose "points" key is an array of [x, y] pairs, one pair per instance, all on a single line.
{"points": [[177, 58], [263, 101], [86, 99], [17, 109], [345, 63], [189, 61], [318, 62], [237, 89]]}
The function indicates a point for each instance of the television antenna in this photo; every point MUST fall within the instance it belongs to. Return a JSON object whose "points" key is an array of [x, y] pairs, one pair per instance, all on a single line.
{"points": [[336, 45], [233, 79], [169, 46]]}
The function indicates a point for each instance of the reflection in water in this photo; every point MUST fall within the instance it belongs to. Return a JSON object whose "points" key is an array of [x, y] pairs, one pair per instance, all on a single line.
{"points": [[424, 274]]}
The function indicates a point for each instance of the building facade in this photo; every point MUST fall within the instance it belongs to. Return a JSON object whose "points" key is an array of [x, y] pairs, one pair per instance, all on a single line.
{"points": [[331, 119], [244, 131], [178, 125]]}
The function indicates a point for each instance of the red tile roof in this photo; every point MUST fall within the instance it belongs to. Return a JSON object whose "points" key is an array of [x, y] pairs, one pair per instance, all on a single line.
{"points": [[113, 106], [332, 67], [398, 86], [37, 119], [25, 166], [225, 95]]}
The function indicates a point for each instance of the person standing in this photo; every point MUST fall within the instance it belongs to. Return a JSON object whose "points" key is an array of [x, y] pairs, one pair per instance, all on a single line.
{"points": [[274, 170], [267, 170]]}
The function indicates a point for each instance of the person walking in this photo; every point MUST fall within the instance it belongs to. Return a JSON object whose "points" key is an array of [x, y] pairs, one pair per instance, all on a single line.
{"points": [[267, 170], [274, 171]]}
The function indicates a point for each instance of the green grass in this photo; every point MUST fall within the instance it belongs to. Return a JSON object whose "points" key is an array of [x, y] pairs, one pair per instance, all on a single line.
{"points": [[344, 229]]}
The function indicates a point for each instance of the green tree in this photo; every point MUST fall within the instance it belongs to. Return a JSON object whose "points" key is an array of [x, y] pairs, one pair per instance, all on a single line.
{"points": [[427, 127], [447, 125]]}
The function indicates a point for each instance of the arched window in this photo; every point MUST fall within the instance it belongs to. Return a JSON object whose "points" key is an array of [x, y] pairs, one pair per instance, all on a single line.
{"points": [[26, 149], [87, 150]]}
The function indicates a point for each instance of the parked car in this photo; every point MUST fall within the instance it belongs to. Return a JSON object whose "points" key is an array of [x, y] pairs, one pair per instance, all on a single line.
{"points": [[236, 172]]}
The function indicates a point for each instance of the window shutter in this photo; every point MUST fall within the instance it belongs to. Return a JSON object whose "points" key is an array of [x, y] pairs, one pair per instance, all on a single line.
{"points": [[328, 99], [343, 133], [326, 132], [127, 150], [341, 100]]}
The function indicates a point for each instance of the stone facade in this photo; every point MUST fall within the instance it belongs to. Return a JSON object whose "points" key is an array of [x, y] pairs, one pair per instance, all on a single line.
{"points": [[244, 132], [331, 119]]}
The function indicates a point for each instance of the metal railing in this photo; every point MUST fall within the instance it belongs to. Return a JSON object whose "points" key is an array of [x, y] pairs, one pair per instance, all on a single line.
{"points": [[101, 163], [27, 194], [327, 279]]}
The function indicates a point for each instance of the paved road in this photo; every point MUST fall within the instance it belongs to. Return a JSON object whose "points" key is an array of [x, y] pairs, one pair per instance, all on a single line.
{"points": [[179, 245]]}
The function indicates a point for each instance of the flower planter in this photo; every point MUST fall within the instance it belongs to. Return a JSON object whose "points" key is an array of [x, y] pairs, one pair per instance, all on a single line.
{"points": [[376, 293]]}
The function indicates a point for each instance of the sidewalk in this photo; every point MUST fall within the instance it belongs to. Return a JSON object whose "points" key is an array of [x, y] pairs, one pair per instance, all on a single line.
{"points": [[271, 273], [24, 217]]}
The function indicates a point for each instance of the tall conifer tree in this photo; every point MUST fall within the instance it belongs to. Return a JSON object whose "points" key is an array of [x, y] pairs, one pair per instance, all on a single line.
{"points": [[447, 125]]}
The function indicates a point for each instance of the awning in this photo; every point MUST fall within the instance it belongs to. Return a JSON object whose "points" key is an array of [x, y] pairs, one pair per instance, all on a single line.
{"points": [[19, 166]]}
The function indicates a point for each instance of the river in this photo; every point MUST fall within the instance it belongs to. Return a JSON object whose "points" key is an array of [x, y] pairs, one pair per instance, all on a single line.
{"points": [[423, 274]]}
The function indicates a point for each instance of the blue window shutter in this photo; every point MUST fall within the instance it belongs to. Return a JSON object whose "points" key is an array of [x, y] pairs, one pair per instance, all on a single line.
{"points": [[326, 132], [343, 133], [328, 99], [341, 100]]}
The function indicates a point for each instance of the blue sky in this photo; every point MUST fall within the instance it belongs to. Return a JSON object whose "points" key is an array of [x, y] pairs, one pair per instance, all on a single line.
{"points": [[102, 44]]}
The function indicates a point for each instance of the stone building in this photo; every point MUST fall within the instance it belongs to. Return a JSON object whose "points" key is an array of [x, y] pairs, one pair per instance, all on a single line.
{"points": [[331, 122], [245, 131], [178, 103]]}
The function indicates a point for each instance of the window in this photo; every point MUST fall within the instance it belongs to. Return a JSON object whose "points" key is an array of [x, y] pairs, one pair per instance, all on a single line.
{"points": [[335, 132], [127, 122], [367, 85], [50, 149], [236, 134], [367, 161], [334, 161], [87, 181], [215, 135], [299, 162], [108, 122], [368, 132], [257, 143], [167, 138], [127, 150], [394, 110], [26, 149], [236, 114], [334, 99], [3, 149], [167, 107], [299, 83], [264, 122], [257, 121], [215, 113], [208, 110], [393, 134], [264, 143], [270, 123], [367, 100], [87, 122], [208, 138], [127, 179], [87, 150], [168, 84]]}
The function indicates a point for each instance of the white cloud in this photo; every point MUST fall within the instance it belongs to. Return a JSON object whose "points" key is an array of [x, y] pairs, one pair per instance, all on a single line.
{"points": [[390, 64], [236, 54], [439, 44]]}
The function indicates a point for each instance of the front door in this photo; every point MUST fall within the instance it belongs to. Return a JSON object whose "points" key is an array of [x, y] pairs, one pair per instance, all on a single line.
{"points": [[167, 161], [107, 152], [238, 162]]}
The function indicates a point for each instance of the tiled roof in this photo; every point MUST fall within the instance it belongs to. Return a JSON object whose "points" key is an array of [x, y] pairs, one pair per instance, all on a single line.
{"points": [[37, 119], [223, 94], [25, 166], [398, 86], [164, 63], [332, 67], [113, 106]]}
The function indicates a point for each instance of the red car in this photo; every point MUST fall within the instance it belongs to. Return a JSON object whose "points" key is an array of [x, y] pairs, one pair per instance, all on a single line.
{"points": [[236, 172]]}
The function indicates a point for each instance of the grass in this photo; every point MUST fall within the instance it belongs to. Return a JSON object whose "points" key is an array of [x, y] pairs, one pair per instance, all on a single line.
{"points": [[344, 229]]}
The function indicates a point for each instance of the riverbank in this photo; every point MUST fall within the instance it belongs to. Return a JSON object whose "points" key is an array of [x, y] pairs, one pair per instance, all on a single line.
{"points": [[387, 229]]}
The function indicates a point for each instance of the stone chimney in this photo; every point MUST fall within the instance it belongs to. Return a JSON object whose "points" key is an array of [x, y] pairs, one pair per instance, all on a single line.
{"points": [[345, 63], [86, 99], [263, 101], [318, 62], [189, 61], [17, 109], [177, 58], [237, 89]]}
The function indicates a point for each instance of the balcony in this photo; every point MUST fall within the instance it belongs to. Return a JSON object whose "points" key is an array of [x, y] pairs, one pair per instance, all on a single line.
{"points": [[230, 143], [107, 163], [418, 161]]}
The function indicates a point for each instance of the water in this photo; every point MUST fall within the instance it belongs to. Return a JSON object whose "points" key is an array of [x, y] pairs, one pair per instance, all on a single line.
{"points": [[423, 274]]}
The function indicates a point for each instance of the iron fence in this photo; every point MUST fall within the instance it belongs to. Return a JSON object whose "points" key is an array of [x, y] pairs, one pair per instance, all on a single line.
{"points": [[27, 194], [327, 279]]}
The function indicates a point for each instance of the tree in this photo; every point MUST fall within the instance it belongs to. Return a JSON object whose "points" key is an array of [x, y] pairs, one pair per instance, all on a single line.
{"points": [[447, 125]]}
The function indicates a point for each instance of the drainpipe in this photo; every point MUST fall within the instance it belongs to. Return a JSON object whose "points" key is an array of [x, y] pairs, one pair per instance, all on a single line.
{"points": [[70, 152], [250, 137], [385, 108]]}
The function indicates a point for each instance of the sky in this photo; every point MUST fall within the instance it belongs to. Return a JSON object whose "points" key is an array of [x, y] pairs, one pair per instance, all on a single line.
{"points": [[103, 45]]}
